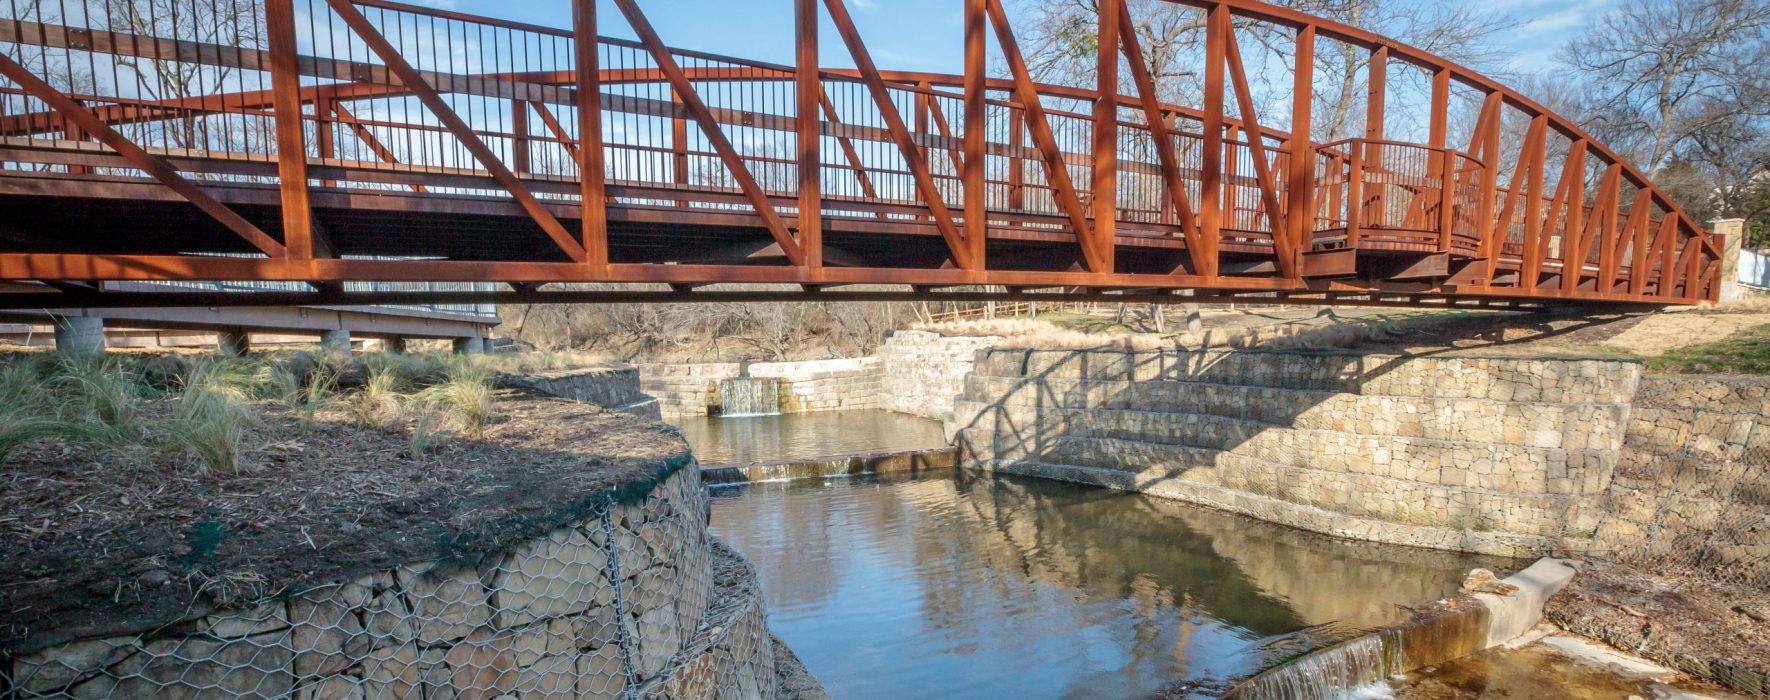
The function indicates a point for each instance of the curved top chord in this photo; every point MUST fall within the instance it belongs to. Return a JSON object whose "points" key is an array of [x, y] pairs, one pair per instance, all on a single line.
{"points": [[326, 142]]}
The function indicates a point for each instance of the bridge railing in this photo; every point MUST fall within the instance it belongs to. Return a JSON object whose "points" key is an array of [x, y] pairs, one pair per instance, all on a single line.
{"points": [[193, 84], [1400, 196]]}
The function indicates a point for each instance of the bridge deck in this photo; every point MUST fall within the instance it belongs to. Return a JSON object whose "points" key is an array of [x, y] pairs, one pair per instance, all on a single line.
{"points": [[378, 141]]}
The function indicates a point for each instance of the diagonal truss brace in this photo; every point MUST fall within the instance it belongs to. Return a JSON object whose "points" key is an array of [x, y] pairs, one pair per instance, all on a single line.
{"points": [[912, 154], [1157, 121], [154, 166], [1056, 170], [697, 108], [432, 100]]}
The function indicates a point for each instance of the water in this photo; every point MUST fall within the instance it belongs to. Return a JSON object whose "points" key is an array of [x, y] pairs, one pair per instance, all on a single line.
{"points": [[744, 440], [750, 397], [1354, 668], [1540, 671], [973, 586]]}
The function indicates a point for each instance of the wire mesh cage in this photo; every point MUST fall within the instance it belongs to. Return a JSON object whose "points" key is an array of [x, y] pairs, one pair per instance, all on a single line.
{"points": [[623, 604]]}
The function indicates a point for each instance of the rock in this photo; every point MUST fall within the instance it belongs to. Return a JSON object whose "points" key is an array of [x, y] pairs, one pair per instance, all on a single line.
{"points": [[1484, 581]]}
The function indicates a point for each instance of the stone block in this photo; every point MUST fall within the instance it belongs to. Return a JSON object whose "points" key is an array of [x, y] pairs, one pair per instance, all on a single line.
{"points": [[560, 574]]}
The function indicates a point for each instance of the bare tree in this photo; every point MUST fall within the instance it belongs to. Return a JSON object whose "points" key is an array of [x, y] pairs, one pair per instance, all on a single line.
{"points": [[1061, 46], [1677, 86], [1657, 73], [227, 23]]}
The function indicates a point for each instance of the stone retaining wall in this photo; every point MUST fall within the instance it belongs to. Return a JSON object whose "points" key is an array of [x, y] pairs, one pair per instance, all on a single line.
{"points": [[824, 385], [809, 386], [615, 388], [922, 372], [1692, 486], [685, 390], [1501, 456], [636, 600]]}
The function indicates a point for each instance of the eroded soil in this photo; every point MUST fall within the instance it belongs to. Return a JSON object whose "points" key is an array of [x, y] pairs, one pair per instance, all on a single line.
{"points": [[106, 542], [1706, 628]]}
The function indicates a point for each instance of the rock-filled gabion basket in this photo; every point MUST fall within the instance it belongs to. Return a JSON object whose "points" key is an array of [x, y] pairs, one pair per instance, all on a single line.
{"points": [[634, 600]]}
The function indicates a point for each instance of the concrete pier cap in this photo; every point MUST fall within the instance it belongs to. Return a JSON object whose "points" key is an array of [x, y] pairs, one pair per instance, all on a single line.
{"points": [[335, 341], [470, 346], [79, 335]]}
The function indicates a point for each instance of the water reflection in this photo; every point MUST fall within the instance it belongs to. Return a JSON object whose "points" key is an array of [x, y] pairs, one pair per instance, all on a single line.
{"points": [[748, 439], [1000, 587]]}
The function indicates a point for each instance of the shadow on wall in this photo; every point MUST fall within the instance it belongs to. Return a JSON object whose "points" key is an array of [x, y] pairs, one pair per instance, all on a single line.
{"points": [[1496, 455]]}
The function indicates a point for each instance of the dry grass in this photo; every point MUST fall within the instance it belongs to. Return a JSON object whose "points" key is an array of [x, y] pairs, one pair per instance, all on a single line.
{"points": [[464, 398], [203, 407], [378, 403], [1320, 333], [524, 362], [210, 417]]}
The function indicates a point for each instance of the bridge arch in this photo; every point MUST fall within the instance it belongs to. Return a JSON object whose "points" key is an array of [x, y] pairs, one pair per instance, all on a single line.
{"points": [[335, 142]]}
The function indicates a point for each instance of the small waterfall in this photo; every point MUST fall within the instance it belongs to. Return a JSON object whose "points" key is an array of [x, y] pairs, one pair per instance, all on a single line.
{"points": [[1358, 668], [1339, 671], [750, 396]]}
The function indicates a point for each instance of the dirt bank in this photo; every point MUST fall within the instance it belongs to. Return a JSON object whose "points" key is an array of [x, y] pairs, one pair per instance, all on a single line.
{"points": [[102, 542], [1711, 630]]}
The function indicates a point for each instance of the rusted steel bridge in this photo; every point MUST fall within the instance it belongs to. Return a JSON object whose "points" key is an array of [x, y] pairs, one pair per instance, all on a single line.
{"points": [[337, 142]]}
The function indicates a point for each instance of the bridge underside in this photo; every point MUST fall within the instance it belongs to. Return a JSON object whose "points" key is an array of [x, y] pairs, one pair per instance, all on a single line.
{"points": [[319, 161], [429, 238]]}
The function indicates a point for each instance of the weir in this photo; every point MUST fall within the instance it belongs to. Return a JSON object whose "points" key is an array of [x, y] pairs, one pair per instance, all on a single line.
{"points": [[750, 396]]}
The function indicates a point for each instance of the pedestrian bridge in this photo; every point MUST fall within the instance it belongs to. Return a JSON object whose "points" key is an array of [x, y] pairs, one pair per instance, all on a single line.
{"points": [[337, 142]]}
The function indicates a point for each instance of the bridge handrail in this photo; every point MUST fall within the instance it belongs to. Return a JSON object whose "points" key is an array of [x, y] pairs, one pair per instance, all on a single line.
{"points": [[1450, 194]]}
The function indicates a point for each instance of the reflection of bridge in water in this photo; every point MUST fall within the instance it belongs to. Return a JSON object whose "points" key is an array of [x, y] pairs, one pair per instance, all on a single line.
{"points": [[1004, 570], [337, 141]]}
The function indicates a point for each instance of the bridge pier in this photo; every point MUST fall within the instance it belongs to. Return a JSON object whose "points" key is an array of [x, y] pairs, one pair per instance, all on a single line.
{"points": [[395, 344], [470, 346], [335, 341], [1734, 230], [79, 335], [233, 342]]}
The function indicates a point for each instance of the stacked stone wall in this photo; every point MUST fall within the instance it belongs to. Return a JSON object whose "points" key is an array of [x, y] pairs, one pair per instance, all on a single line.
{"points": [[808, 386], [634, 601], [824, 385], [616, 388], [686, 389], [923, 373], [1692, 487], [1502, 456]]}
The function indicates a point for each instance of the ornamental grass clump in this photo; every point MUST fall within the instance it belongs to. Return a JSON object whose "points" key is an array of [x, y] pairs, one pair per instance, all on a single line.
{"points": [[100, 393], [378, 403], [209, 419], [45, 396], [464, 397]]}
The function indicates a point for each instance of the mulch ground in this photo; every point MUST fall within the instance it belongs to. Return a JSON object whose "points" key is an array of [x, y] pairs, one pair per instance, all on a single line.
{"points": [[1706, 628], [102, 541]]}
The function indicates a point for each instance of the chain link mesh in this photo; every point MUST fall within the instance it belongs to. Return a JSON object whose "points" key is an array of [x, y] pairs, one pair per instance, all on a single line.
{"points": [[1692, 493], [625, 605]]}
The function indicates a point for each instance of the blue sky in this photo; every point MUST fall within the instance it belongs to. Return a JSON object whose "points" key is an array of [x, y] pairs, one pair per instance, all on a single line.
{"points": [[925, 34]]}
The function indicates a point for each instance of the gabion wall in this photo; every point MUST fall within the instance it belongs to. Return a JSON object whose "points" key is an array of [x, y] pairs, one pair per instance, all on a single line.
{"points": [[623, 605], [1692, 489]]}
